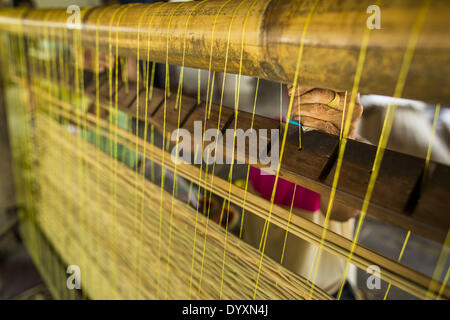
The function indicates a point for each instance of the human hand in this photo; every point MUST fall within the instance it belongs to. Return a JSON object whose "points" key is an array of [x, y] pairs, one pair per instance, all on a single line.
{"points": [[323, 109]]}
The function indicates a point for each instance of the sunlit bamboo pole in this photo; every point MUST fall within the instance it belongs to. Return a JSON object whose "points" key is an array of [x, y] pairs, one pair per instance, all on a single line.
{"points": [[272, 40]]}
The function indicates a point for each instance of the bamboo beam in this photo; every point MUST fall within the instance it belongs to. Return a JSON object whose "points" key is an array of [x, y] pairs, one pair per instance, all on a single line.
{"points": [[272, 39]]}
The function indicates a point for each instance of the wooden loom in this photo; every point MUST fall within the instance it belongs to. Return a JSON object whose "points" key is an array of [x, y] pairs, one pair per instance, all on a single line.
{"points": [[257, 38]]}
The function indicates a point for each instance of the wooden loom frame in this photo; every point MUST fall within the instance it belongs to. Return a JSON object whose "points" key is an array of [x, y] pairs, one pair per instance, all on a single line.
{"points": [[317, 159]]}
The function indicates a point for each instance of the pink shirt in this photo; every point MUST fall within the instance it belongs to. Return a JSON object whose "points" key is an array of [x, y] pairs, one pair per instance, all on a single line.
{"points": [[304, 198]]}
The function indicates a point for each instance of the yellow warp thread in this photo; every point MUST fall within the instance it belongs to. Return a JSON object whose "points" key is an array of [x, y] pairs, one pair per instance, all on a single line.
{"points": [[287, 229], [296, 75], [343, 116], [430, 145], [248, 167], [444, 283], [144, 158], [236, 110], [399, 258], [342, 146], [387, 125], [204, 127], [443, 256], [178, 98], [218, 128], [166, 94]]}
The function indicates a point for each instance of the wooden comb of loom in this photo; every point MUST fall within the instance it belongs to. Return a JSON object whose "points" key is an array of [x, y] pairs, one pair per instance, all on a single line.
{"points": [[256, 38]]}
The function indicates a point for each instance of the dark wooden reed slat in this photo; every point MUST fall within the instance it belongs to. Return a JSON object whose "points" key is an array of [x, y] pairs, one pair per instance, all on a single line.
{"points": [[433, 205], [172, 114], [212, 123], [396, 178], [127, 97], [152, 105]]}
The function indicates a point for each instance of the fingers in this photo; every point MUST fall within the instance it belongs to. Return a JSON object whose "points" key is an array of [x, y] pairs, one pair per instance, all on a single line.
{"points": [[314, 103], [318, 111], [322, 109], [324, 118], [323, 96], [299, 90], [321, 125]]}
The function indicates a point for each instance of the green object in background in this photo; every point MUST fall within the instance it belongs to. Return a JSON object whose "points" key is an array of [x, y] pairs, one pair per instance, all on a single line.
{"points": [[107, 145]]}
